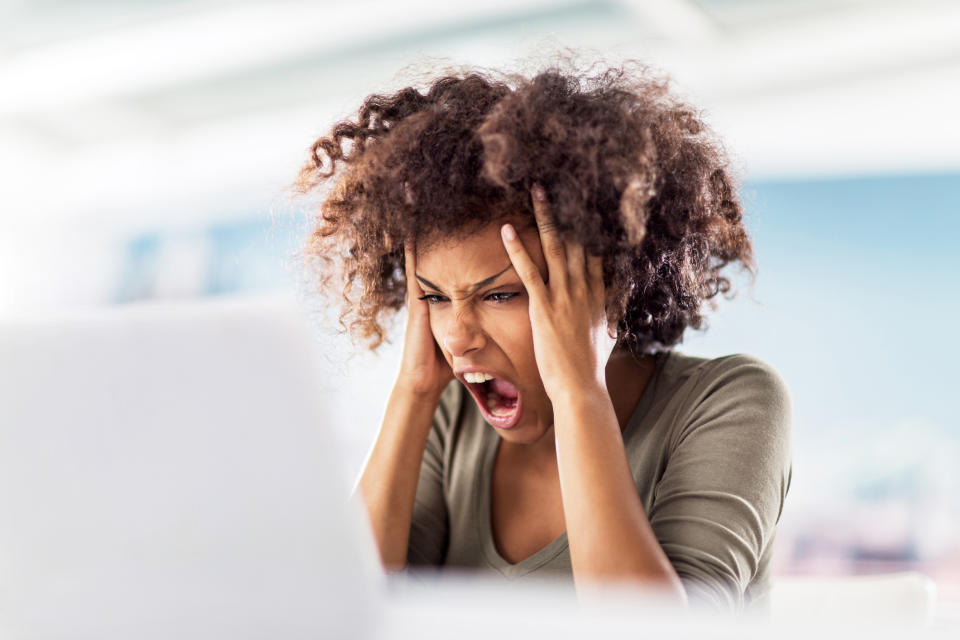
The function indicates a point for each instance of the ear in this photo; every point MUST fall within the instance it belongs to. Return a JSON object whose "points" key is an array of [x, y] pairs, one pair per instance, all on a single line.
{"points": [[612, 330]]}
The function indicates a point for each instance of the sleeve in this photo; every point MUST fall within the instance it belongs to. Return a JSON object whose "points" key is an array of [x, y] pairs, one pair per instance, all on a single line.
{"points": [[722, 491], [429, 525]]}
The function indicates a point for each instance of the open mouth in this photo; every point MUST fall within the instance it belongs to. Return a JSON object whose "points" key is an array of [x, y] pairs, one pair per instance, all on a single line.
{"points": [[499, 401]]}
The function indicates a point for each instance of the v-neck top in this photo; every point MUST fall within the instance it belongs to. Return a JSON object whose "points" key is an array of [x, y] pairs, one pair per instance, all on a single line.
{"points": [[709, 448]]}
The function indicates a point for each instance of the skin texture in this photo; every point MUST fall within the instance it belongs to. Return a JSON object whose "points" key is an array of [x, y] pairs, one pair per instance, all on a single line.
{"points": [[490, 327]]}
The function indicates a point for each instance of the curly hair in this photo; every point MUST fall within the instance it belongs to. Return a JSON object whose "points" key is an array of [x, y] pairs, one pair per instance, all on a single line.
{"points": [[631, 172]]}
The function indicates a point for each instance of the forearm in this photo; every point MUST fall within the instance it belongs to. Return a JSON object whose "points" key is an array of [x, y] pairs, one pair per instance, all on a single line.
{"points": [[609, 533], [388, 483]]}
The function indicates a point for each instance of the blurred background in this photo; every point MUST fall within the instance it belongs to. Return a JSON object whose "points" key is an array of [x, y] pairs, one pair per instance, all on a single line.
{"points": [[145, 147]]}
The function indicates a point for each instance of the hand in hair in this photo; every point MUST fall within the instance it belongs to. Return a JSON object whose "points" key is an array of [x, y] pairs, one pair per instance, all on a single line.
{"points": [[571, 339]]}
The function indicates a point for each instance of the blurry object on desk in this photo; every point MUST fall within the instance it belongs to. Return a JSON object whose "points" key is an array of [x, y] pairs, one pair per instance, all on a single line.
{"points": [[166, 470]]}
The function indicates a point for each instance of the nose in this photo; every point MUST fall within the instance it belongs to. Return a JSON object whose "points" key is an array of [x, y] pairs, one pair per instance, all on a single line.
{"points": [[461, 335]]}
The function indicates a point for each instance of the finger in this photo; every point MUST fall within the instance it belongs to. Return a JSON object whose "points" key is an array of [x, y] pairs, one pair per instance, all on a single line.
{"points": [[553, 249], [522, 263], [576, 264], [595, 270], [410, 260], [595, 275]]}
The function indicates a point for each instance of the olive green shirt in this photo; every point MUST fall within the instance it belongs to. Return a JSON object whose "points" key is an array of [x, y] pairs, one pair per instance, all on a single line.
{"points": [[709, 446]]}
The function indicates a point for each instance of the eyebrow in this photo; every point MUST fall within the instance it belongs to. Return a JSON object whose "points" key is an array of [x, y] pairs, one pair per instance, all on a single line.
{"points": [[472, 287]]}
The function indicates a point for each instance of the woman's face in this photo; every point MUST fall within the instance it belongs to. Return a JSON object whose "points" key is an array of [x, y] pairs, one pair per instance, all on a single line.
{"points": [[487, 327]]}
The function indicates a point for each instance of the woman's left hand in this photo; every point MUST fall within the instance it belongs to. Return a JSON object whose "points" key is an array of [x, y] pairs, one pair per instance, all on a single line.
{"points": [[567, 313]]}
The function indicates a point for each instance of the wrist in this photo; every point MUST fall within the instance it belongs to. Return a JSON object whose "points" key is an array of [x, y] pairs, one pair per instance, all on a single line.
{"points": [[411, 392], [575, 381], [575, 394], [410, 415]]}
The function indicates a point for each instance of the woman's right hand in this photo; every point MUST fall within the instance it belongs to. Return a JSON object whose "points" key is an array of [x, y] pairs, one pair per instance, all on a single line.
{"points": [[423, 369]]}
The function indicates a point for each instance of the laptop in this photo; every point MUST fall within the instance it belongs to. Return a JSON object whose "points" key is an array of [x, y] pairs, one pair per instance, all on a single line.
{"points": [[166, 471]]}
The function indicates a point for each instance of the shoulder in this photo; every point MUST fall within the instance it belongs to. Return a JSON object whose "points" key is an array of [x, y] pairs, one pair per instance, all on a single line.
{"points": [[739, 390], [735, 377], [686, 365]]}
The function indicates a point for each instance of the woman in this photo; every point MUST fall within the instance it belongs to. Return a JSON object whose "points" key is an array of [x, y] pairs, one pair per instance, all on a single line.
{"points": [[551, 239]]}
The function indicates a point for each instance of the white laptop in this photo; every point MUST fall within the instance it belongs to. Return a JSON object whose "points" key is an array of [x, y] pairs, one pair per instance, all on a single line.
{"points": [[165, 472]]}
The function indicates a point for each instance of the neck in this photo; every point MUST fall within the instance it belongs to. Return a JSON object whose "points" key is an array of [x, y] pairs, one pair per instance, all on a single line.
{"points": [[627, 378]]}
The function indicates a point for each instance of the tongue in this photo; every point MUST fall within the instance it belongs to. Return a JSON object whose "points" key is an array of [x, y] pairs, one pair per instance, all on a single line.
{"points": [[503, 388]]}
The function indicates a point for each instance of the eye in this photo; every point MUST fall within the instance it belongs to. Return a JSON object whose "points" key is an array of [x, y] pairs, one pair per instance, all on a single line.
{"points": [[432, 299], [501, 297]]}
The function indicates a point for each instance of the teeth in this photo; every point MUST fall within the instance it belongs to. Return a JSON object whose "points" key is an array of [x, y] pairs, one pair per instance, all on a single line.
{"points": [[477, 376]]}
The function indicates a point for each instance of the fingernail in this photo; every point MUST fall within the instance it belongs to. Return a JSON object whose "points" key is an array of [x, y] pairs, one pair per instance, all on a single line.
{"points": [[508, 232], [538, 193]]}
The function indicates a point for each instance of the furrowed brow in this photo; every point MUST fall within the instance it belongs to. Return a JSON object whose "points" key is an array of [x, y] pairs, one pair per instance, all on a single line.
{"points": [[472, 287]]}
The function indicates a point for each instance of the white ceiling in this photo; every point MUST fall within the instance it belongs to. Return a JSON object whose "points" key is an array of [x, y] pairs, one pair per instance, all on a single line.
{"points": [[136, 113]]}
